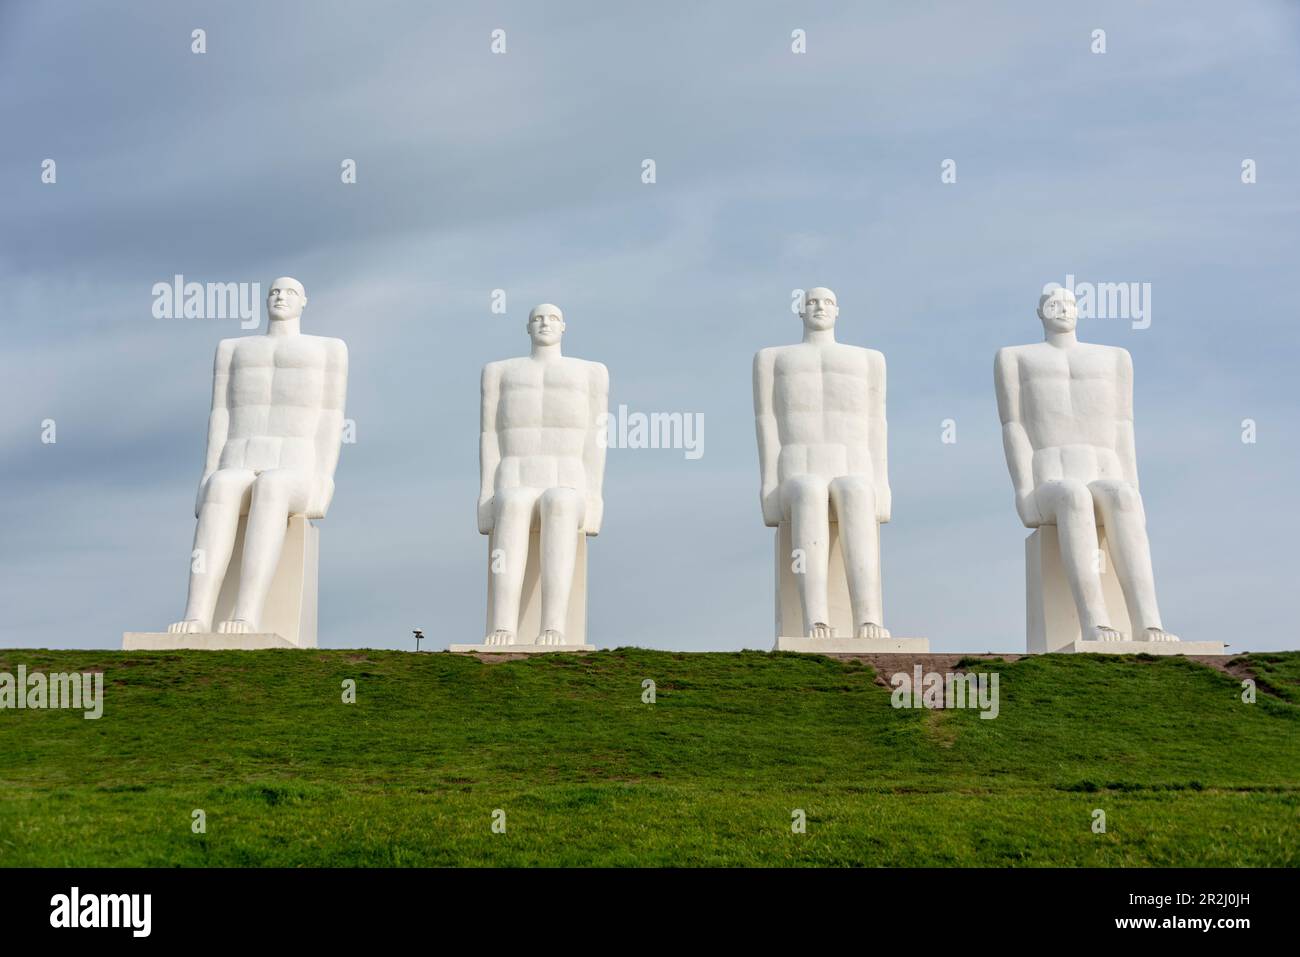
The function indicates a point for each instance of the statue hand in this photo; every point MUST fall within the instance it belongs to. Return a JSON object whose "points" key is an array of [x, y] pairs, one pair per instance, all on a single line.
{"points": [[1027, 509], [771, 502], [198, 499], [593, 518], [884, 505], [485, 516]]}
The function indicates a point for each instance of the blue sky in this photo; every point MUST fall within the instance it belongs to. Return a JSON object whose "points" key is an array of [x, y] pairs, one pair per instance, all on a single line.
{"points": [[521, 171]]}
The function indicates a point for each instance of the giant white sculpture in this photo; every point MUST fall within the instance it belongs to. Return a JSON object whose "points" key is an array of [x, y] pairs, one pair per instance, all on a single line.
{"points": [[542, 471], [1067, 429], [819, 411], [274, 436]]}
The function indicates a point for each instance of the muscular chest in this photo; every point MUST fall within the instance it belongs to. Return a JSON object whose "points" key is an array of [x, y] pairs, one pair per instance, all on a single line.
{"points": [[1070, 385], [815, 380], [543, 395], [264, 371]]}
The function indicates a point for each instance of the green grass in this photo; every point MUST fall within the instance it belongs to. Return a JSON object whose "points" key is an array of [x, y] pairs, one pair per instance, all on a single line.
{"points": [[1186, 773]]}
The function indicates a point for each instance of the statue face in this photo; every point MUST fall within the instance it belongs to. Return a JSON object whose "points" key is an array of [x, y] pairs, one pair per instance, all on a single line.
{"points": [[286, 299], [820, 310], [545, 324], [1058, 310]]}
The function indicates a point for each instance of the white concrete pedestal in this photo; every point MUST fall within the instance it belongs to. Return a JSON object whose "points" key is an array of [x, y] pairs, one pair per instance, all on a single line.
{"points": [[206, 641], [1145, 648], [528, 649], [853, 646], [289, 618]]}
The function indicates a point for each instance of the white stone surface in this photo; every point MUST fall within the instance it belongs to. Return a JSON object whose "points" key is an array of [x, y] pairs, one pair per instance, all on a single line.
{"points": [[819, 412], [291, 601], [531, 648], [1145, 648], [274, 436], [211, 641], [839, 605], [1051, 617], [530, 608], [542, 472], [853, 646], [1067, 430]]}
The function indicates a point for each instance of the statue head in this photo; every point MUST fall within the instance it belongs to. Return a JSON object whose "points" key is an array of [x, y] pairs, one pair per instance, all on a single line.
{"points": [[286, 299], [1058, 310], [545, 324], [820, 310]]}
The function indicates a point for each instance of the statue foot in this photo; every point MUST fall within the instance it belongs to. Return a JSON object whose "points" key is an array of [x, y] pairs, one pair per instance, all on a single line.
{"points": [[550, 637], [188, 626], [1159, 634], [1104, 633], [821, 630], [871, 630], [235, 626], [500, 637]]}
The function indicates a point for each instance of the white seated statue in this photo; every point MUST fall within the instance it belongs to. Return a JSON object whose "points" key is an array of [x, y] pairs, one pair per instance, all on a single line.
{"points": [[542, 468], [274, 436], [1067, 429], [819, 411]]}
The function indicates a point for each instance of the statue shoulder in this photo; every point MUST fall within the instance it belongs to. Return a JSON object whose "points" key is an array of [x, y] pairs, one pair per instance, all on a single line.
{"points": [[226, 349], [1010, 355], [336, 350], [598, 372]]}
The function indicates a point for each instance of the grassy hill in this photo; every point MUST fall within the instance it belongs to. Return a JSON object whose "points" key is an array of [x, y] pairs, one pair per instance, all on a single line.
{"points": [[586, 773]]}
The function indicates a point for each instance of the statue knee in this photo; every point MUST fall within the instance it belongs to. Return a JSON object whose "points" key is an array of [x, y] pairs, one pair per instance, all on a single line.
{"points": [[1116, 496], [514, 504], [854, 494], [561, 504], [1071, 498], [803, 489], [275, 488], [227, 487]]}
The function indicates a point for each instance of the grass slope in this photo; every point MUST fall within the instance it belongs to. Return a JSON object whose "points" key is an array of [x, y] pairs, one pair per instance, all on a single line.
{"points": [[287, 774]]}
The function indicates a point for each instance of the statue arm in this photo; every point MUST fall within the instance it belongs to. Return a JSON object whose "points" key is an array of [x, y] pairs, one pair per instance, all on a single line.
{"points": [[593, 453], [1015, 440], [329, 432], [218, 418], [1125, 440], [878, 437], [489, 447], [769, 442]]}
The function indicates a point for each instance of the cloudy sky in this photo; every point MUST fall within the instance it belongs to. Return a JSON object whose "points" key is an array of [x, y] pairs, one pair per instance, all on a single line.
{"points": [[775, 171]]}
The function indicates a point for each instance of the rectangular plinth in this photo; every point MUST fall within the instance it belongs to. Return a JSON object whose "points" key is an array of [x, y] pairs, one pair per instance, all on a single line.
{"points": [[853, 646], [519, 649], [202, 641], [1145, 648]]}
